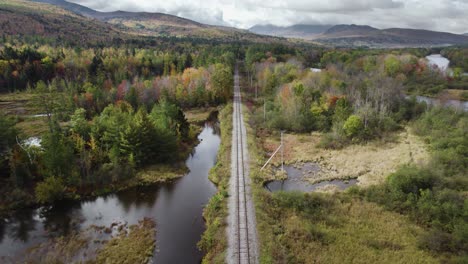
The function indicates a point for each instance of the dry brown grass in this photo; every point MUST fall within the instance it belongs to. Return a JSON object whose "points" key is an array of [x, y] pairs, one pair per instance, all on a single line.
{"points": [[370, 163], [365, 234], [160, 173], [198, 115], [453, 94], [135, 246]]}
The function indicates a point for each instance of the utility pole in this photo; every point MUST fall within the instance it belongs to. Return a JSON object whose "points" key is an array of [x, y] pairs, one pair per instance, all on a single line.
{"points": [[282, 152]]}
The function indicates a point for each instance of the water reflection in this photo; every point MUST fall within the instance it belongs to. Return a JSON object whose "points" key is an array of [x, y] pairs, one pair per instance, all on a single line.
{"points": [[21, 226], [438, 61], [297, 181], [176, 206]]}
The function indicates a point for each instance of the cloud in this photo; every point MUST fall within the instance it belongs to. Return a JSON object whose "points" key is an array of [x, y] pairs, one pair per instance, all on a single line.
{"points": [[333, 6], [441, 15]]}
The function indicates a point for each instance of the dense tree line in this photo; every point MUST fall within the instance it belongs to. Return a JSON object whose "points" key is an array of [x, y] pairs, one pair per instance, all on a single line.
{"points": [[458, 57], [359, 101], [24, 66]]}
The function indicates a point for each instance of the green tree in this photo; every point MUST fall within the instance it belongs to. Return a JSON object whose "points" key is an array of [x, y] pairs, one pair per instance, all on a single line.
{"points": [[50, 190], [222, 81], [353, 126], [138, 139], [169, 117], [8, 134], [392, 65], [79, 124], [58, 156], [47, 99]]}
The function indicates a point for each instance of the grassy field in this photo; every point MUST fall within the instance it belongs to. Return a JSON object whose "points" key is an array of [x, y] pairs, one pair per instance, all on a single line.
{"points": [[319, 228], [20, 106], [370, 163]]}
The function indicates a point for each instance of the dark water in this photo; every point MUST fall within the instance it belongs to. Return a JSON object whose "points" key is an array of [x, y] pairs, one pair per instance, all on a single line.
{"points": [[176, 207], [296, 182]]}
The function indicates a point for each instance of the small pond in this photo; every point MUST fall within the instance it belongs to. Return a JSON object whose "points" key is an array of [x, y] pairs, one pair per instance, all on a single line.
{"points": [[296, 180]]}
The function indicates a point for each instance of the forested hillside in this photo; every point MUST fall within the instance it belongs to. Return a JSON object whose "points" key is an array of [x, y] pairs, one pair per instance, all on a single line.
{"points": [[130, 24], [33, 21]]}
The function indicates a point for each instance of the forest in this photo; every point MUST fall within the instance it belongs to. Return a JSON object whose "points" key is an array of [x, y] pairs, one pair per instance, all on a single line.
{"points": [[353, 99]]}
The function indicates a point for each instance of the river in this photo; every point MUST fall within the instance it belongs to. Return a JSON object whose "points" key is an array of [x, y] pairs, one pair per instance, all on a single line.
{"points": [[442, 63], [456, 104], [438, 60], [176, 207]]}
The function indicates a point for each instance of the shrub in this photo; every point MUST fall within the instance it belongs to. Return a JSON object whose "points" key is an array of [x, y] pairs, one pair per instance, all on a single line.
{"points": [[437, 241], [333, 141], [353, 126], [410, 179], [50, 190]]}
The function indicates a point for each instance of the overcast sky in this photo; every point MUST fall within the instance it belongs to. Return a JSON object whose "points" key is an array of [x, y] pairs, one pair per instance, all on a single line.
{"points": [[440, 15]]}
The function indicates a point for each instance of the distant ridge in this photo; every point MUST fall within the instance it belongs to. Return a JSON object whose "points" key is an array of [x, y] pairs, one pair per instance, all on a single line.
{"points": [[349, 30], [75, 8], [363, 35], [106, 16], [295, 31], [353, 35]]}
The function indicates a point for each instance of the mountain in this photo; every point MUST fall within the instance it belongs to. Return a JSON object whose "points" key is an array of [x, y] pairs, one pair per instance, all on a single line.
{"points": [[363, 35], [25, 18], [349, 31], [72, 7], [355, 35], [159, 24], [295, 31]]}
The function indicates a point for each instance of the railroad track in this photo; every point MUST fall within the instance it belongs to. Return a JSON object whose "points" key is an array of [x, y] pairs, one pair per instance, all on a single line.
{"points": [[242, 234]]}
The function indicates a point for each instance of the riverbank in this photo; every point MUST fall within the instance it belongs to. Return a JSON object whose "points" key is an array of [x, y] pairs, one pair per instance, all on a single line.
{"points": [[85, 227], [117, 243], [446, 94], [13, 199], [455, 94], [214, 239]]}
